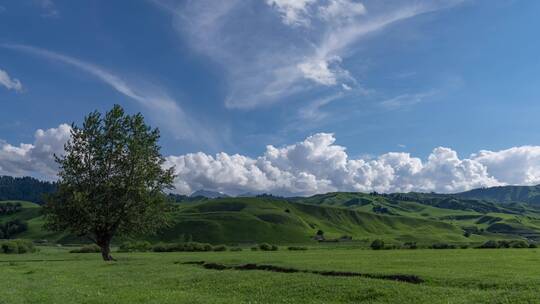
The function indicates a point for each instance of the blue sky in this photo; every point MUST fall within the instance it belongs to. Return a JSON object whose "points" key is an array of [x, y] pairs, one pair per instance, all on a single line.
{"points": [[236, 76]]}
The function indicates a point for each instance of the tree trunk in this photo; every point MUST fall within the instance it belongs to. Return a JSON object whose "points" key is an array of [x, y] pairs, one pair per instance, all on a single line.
{"points": [[105, 246]]}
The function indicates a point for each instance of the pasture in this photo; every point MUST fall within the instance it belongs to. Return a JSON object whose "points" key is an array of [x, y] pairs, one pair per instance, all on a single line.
{"points": [[53, 275]]}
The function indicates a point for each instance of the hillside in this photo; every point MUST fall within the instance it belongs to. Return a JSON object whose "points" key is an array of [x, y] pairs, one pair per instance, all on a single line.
{"points": [[399, 218], [505, 194]]}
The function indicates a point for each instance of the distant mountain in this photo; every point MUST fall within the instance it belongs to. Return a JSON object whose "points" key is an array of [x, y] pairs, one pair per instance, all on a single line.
{"points": [[208, 194], [24, 189], [505, 194]]}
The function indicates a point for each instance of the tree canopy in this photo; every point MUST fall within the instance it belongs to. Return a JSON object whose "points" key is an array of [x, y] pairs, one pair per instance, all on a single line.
{"points": [[111, 180]]}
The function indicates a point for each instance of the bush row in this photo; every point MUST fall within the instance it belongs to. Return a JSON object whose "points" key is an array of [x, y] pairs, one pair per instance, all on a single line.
{"points": [[265, 247], [144, 246], [379, 244], [16, 247], [507, 244]]}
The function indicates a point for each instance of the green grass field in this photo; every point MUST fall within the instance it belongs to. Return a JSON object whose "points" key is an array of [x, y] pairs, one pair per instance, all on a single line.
{"points": [[451, 276]]}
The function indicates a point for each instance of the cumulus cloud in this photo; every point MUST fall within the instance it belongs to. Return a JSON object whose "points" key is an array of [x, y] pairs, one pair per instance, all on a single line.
{"points": [[10, 83], [318, 165], [35, 159], [305, 49], [314, 165]]}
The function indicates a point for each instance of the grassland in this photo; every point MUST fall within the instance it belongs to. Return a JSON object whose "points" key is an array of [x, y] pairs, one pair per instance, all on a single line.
{"points": [[363, 217], [451, 276]]}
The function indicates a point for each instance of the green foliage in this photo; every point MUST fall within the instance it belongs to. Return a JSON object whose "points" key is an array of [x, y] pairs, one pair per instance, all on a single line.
{"points": [[90, 248], [220, 248], [10, 208], [135, 246], [24, 189], [410, 245], [12, 228], [188, 247], [377, 244], [492, 244], [268, 247], [236, 249], [443, 246], [297, 248], [111, 180], [16, 247]]}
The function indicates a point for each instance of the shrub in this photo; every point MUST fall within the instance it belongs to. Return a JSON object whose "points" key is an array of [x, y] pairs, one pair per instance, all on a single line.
{"points": [[294, 248], [377, 244], [265, 247], [220, 248], [161, 247], [137, 246], [91, 248], [268, 247], [489, 245], [464, 246], [254, 248], [410, 245], [505, 244], [533, 245], [519, 244], [11, 228], [179, 247], [443, 246], [236, 249], [16, 247]]}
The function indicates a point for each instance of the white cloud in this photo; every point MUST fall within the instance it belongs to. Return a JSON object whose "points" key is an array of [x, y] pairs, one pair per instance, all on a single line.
{"points": [[321, 71], [342, 10], [282, 61], [10, 83], [313, 112], [314, 165], [405, 100], [518, 165], [156, 100], [318, 165], [35, 159], [293, 12]]}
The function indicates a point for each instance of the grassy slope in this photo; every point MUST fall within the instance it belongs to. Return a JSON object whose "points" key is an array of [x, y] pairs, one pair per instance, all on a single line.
{"points": [[505, 194], [248, 220], [255, 220], [452, 276]]}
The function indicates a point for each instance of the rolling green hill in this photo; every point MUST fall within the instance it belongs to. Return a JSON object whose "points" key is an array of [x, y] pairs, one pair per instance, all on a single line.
{"points": [[505, 194], [413, 217]]}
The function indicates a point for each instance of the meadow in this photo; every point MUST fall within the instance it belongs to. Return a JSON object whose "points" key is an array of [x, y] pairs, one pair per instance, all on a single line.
{"points": [[53, 275]]}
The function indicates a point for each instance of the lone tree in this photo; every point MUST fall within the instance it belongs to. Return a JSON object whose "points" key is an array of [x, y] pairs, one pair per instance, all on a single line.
{"points": [[111, 180]]}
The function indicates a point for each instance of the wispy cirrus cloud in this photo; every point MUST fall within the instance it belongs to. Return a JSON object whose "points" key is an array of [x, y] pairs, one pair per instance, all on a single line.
{"points": [[156, 100], [276, 49], [48, 8], [405, 100], [9, 82]]}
